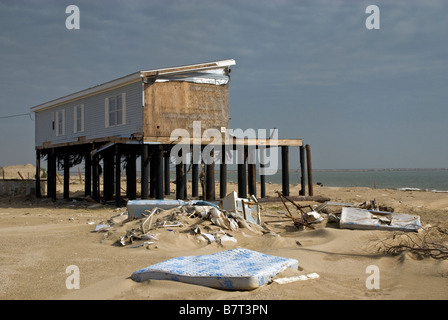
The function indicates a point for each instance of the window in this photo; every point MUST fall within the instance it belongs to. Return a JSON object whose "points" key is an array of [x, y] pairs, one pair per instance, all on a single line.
{"points": [[60, 122], [115, 110], [78, 116]]}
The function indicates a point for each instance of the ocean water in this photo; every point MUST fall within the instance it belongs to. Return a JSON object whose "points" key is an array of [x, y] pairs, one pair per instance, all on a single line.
{"points": [[424, 179]]}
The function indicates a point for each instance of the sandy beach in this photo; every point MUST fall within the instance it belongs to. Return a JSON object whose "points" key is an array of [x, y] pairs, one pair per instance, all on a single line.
{"points": [[41, 238]]}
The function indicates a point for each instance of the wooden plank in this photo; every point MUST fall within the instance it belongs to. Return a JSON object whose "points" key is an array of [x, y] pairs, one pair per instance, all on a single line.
{"points": [[296, 198], [241, 141]]}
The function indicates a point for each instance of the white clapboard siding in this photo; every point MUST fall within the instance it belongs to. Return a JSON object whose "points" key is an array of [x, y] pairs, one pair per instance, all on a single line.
{"points": [[95, 123]]}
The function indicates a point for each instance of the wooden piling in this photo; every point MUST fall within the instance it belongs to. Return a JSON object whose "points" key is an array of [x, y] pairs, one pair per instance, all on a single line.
{"points": [[242, 160], [285, 170], [108, 175], [252, 179], [38, 193], [95, 178], [66, 176], [152, 171], [131, 175], [159, 194], [180, 185], [262, 172], [145, 171], [166, 161], [310, 170], [87, 174], [195, 180], [223, 174], [51, 174], [117, 177], [210, 180], [302, 170]]}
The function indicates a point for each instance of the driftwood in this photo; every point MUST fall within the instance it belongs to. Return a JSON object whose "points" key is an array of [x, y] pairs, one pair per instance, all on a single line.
{"points": [[427, 243], [296, 198]]}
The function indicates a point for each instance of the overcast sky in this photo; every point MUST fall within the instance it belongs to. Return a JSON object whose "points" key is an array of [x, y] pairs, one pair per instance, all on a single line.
{"points": [[361, 98]]}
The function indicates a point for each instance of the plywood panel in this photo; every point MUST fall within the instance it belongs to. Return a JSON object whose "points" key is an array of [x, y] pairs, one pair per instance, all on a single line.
{"points": [[172, 105]]}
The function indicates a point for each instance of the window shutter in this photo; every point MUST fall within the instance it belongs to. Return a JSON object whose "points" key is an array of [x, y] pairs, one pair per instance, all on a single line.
{"points": [[63, 122], [75, 118], [123, 107], [56, 121], [82, 118], [106, 112]]}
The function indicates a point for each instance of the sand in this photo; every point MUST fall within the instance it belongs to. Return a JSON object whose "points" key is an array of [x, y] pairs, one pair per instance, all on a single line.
{"points": [[40, 238]]}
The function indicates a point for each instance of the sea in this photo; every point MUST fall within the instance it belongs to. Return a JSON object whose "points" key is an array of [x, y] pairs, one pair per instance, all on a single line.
{"points": [[435, 180]]}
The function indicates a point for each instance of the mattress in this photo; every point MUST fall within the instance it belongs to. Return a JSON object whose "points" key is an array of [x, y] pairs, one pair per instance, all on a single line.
{"points": [[234, 269]]}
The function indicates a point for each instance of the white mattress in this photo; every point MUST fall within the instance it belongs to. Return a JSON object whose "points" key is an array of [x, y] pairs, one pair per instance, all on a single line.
{"points": [[234, 269]]}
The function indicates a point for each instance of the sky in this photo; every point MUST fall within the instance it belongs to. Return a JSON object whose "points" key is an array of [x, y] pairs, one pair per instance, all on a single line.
{"points": [[361, 98]]}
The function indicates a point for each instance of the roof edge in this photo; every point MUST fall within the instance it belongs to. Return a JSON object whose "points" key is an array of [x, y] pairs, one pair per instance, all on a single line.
{"points": [[131, 78]]}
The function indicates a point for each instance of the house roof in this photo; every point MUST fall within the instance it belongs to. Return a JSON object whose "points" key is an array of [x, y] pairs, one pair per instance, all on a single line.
{"points": [[208, 72]]}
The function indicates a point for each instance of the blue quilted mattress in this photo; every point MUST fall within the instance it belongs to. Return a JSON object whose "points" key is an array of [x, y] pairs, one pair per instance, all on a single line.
{"points": [[234, 269]]}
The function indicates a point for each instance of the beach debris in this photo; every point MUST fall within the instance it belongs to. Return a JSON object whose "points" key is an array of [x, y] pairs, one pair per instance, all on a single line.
{"points": [[220, 237], [123, 216], [298, 222], [428, 242], [302, 277], [101, 227], [314, 217], [322, 206], [222, 270], [356, 218], [193, 213], [245, 208], [137, 208]]}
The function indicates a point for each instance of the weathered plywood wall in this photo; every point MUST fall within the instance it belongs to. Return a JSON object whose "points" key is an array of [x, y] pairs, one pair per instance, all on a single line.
{"points": [[174, 104]]}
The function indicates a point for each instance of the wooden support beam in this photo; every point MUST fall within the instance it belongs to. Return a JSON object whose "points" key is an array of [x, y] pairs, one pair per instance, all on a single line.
{"points": [[223, 174], [95, 178], [242, 160], [158, 157], [310, 170], [180, 181], [210, 180], [66, 176], [51, 174], [302, 170], [167, 172], [108, 175], [262, 172], [117, 177], [38, 193], [195, 180], [87, 174], [145, 171], [252, 179], [152, 171], [285, 170], [251, 171], [184, 181], [131, 175]]}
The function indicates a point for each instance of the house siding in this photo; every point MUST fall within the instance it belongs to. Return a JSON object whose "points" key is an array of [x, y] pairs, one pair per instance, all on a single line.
{"points": [[94, 117]]}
